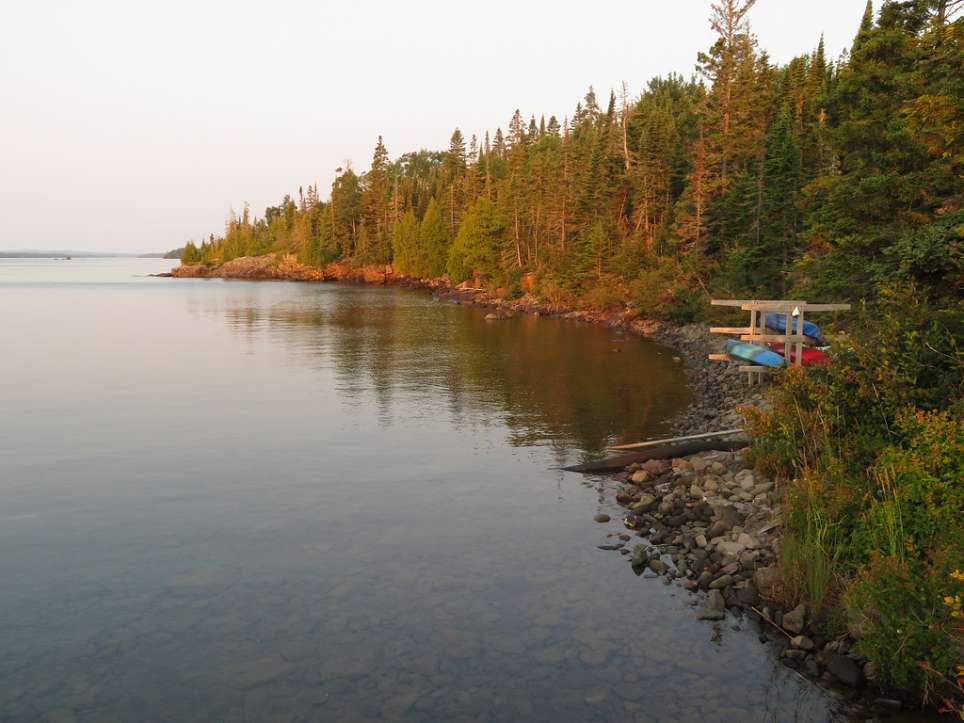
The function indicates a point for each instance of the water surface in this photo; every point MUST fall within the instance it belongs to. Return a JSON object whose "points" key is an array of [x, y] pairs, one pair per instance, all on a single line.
{"points": [[229, 500]]}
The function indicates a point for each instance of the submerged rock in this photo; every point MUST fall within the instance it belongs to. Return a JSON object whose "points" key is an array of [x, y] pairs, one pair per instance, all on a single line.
{"points": [[715, 607]]}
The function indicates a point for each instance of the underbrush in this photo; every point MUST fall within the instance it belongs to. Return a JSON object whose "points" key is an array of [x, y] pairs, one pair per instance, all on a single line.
{"points": [[871, 449]]}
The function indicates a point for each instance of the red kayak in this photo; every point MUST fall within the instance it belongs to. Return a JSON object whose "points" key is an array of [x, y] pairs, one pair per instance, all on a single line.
{"points": [[810, 355]]}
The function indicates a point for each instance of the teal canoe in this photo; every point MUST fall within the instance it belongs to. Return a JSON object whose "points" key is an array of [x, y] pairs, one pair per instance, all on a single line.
{"points": [[753, 354]]}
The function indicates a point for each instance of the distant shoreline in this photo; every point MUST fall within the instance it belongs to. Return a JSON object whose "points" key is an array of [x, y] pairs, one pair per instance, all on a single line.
{"points": [[82, 255]]}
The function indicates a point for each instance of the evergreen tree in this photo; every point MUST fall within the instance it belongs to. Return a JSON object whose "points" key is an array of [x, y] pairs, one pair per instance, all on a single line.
{"points": [[405, 251], [433, 238], [477, 249]]}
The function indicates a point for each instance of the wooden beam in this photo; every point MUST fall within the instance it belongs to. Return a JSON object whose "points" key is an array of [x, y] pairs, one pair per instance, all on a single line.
{"points": [[743, 302], [826, 307], [772, 337], [780, 306], [654, 442], [753, 368], [730, 330]]}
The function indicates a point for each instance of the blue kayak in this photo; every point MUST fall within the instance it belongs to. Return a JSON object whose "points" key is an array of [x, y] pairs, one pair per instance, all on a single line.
{"points": [[753, 353], [778, 322]]}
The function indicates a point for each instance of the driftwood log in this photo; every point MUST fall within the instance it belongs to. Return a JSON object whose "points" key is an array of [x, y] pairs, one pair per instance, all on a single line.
{"points": [[666, 451]]}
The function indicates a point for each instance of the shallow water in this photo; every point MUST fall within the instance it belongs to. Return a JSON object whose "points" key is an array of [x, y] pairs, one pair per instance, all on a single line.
{"points": [[233, 500]]}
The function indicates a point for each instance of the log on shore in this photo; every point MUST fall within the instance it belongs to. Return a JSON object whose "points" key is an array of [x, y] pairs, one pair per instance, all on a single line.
{"points": [[666, 451]]}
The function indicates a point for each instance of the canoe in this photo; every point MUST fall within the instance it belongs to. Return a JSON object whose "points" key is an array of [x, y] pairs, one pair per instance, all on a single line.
{"points": [[778, 322], [810, 355], [754, 354]]}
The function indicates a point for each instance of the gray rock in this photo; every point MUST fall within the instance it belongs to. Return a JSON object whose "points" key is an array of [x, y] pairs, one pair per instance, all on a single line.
{"points": [[745, 479], [845, 670], [715, 604], [644, 504], [601, 517], [766, 579], [794, 621], [639, 555], [717, 529], [657, 566], [730, 548], [721, 582], [802, 642]]}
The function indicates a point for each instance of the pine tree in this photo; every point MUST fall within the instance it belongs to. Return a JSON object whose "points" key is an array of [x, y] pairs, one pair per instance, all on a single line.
{"points": [[455, 174], [405, 256], [190, 255], [374, 244], [433, 236], [477, 249]]}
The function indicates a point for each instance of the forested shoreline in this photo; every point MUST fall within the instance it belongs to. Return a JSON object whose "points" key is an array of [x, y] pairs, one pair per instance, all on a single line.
{"points": [[826, 179]]}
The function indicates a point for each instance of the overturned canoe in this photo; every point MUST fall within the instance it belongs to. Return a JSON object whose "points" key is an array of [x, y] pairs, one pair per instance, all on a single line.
{"points": [[666, 451], [809, 355], [754, 354], [778, 322]]}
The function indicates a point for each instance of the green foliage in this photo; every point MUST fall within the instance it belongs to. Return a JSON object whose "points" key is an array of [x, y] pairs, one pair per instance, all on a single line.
{"points": [[873, 449], [905, 627], [433, 242], [405, 256], [897, 173], [477, 249], [190, 255], [605, 297], [814, 179]]}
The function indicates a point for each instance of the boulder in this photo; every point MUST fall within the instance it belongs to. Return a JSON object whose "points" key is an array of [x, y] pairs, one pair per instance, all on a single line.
{"points": [[730, 548], [644, 504], [639, 556], [794, 621], [745, 479], [721, 582], [766, 579], [845, 669], [715, 606]]}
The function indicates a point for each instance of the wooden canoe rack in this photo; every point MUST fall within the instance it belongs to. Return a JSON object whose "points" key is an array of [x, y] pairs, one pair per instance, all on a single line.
{"points": [[794, 311]]}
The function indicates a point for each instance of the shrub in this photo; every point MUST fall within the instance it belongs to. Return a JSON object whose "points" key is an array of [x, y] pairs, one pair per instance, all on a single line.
{"points": [[872, 448], [905, 626], [606, 296]]}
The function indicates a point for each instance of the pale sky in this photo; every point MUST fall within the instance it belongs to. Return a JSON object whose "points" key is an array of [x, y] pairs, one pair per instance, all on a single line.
{"points": [[134, 126]]}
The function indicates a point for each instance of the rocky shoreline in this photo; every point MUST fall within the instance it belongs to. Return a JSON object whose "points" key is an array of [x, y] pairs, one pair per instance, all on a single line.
{"points": [[708, 521], [711, 524]]}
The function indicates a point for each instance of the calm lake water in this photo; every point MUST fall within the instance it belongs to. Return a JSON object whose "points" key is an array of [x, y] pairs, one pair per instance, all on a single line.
{"points": [[276, 501]]}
